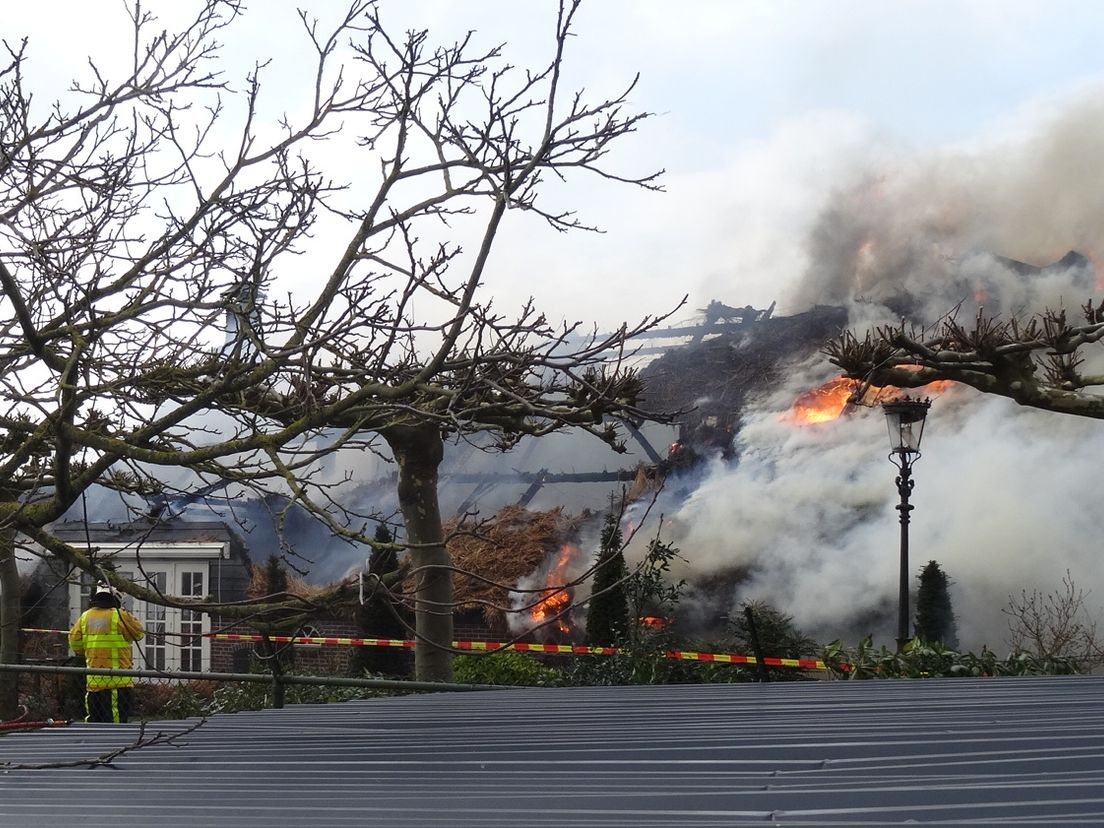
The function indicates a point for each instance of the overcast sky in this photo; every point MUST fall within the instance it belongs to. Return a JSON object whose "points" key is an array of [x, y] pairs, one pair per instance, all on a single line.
{"points": [[764, 108]]}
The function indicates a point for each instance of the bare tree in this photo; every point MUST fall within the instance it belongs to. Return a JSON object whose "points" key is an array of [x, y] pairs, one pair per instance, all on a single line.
{"points": [[10, 623], [1053, 624], [132, 228], [1036, 362]]}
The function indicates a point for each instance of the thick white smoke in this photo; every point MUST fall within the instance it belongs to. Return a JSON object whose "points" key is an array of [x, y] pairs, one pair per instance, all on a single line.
{"points": [[1003, 500], [930, 225], [1005, 497]]}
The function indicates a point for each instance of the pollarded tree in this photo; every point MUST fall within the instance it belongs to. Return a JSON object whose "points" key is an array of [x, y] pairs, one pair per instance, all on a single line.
{"points": [[347, 243], [1036, 362], [935, 620]]}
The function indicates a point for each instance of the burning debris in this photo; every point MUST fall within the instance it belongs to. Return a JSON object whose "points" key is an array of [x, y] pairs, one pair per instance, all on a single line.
{"points": [[512, 551], [824, 403], [712, 380], [716, 312], [553, 608], [837, 396]]}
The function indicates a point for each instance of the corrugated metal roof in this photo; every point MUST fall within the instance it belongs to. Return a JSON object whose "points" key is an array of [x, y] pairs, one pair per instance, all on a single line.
{"points": [[939, 751]]}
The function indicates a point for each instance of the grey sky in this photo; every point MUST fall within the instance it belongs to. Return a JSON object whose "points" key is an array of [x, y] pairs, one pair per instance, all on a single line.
{"points": [[765, 108]]}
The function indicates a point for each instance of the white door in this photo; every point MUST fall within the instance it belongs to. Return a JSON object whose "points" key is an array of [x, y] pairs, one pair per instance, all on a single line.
{"points": [[174, 637]]}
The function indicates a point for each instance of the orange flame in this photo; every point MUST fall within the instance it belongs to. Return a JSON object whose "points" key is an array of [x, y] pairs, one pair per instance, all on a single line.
{"points": [[556, 598], [824, 403], [828, 402]]}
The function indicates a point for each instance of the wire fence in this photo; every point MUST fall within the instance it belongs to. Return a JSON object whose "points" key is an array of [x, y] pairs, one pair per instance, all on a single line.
{"points": [[54, 694], [252, 671], [231, 673]]}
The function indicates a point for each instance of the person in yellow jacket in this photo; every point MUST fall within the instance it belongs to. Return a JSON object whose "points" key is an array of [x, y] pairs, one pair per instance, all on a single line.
{"points": [[103, 635]]}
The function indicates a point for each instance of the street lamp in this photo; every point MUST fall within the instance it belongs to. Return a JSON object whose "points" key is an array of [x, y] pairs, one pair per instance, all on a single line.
{"points": [[905, 418]]}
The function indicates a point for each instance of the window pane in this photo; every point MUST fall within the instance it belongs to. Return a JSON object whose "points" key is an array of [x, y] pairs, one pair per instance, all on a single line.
{"points": [[87, 584], [154, 619], [191, 623]]}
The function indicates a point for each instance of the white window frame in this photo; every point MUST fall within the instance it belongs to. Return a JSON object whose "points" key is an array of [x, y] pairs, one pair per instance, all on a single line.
{"points": [[173, 561]]}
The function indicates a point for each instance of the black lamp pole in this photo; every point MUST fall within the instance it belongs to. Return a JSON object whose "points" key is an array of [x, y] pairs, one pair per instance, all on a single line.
{"points": [[905, 418], [904, 488]]}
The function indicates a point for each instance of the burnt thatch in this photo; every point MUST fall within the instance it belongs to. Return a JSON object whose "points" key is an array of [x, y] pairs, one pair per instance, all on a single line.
{"points": [[503, 550], [296, 585], [499, 551], [718, 375]]}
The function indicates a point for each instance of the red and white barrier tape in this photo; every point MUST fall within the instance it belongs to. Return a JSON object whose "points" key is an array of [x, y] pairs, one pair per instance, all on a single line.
{"points": [[521, 646]]}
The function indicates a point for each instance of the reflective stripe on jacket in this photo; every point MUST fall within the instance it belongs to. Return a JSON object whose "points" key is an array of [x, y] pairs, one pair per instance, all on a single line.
{"points": [[103, 637]]}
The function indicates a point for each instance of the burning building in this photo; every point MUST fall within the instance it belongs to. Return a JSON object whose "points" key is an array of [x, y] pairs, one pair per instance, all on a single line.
{"points": [[770, 494], [520, 566], [803, 516]]}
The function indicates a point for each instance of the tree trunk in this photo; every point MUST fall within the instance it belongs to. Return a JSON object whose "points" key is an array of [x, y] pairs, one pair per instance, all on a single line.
{"points": [[418, 450], [10, 611]]}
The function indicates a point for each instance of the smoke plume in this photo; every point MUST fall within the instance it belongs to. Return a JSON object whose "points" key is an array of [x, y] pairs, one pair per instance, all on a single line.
{"points": [[1004, 497]]}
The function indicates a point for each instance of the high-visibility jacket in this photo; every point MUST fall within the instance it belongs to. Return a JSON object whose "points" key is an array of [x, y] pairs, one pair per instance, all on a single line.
{"points": [[103, 636]]}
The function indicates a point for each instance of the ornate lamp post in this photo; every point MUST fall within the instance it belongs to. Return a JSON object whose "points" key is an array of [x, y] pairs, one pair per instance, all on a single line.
{"points": [[905, 418]]}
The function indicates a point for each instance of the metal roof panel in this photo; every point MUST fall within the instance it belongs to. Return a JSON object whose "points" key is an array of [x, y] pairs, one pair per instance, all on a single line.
{"points": [[998, 751]]}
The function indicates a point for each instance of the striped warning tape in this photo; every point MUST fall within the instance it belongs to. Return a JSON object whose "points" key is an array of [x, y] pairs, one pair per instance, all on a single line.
{"points": [[313, 639], [396, 642], [565, 649], [725, 658], [521, 646]]}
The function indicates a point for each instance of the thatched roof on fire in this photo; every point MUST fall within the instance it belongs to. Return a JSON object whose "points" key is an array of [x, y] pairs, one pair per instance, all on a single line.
{"points": [[499, 551], [719, 374], [503, 550]]}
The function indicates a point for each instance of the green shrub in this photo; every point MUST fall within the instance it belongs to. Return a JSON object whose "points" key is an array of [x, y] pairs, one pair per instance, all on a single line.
{"points": [[649, 666], [506, 667], [922, 659], [187, 701], [233, 697]]}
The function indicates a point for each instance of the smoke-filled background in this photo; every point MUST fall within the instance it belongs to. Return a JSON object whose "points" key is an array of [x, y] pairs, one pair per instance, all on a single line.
{"points": [[1005, 498], [860, 154]]}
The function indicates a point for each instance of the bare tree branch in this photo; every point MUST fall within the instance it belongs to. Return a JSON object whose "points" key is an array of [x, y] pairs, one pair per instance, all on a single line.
{"points": [[173, 319], [142, 740], [1036, 362]]}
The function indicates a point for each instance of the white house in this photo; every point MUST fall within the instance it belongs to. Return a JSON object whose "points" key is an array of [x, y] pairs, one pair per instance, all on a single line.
{"points": [[186, 559]]}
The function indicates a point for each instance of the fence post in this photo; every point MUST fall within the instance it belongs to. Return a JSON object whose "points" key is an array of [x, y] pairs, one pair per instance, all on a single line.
{"points": [[764, 674]]}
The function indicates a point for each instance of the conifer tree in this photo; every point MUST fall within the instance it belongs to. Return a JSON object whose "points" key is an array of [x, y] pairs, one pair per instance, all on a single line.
{"points": [[380, 616], [935, 620], [608, 615], [277, 656]]}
